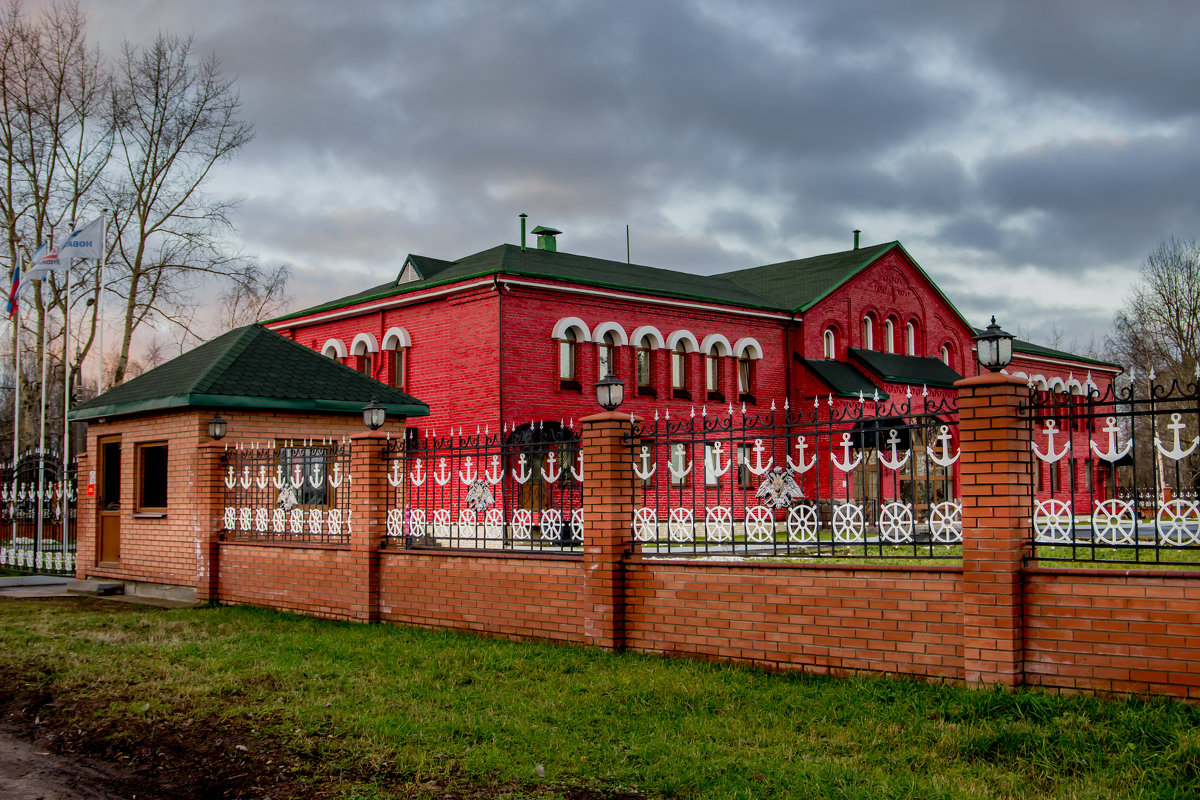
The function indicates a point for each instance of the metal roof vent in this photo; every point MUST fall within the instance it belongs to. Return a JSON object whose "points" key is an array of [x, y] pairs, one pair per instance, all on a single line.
{"points": [[546, 240]]}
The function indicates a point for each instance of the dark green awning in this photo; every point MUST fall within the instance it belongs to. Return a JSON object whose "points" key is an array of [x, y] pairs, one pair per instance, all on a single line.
{"points": [[844, 379], [917, 370]]}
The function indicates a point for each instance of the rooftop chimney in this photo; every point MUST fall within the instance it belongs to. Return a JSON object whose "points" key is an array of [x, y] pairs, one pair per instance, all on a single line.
{"points": [[546, 240], [856, 233], [523, 216]]}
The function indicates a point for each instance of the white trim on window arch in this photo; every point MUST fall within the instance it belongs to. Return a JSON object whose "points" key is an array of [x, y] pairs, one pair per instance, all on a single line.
{"points": [[367, 342], [1018, 374], [1039, 381], [638, 333], [910, 338], [560, 329], [610, 327], [829, 343], [338, 346], [740, 347], [396, 337], [715, 338], [683, 335]]}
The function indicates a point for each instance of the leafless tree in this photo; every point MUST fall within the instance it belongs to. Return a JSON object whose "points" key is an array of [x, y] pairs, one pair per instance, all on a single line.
{"points": [[255, 293], [176, 117]]}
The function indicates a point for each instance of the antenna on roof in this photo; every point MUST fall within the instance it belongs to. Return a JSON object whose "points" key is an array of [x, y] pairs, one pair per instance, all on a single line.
{"points": [[523, 216], [627, 261]]}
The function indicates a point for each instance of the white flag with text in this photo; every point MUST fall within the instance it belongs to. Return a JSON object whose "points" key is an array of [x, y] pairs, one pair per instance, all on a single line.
{"points": [[83, 242]]}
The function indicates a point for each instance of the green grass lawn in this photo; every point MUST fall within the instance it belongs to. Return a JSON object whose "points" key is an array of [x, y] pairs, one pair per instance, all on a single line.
{"points": [[382, 711]]}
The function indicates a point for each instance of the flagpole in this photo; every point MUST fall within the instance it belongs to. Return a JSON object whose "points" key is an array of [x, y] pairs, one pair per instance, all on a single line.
{"points": [[100, 301], [16, 402], [37, 545], [66, 442]]}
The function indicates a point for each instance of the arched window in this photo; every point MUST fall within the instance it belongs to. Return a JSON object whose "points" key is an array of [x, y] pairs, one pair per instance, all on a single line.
{"points": [[712, 372], [645, 364], [830, 343], [608, 353], [395, 357], [567, 347], [868, 333], [363, 349], [679, 368], [399, 370], [889, 336], [746, 373], [910, 339], [946, 354]]}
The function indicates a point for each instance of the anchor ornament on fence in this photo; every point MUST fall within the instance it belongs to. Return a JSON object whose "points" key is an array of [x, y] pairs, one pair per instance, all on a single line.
{"points": [[578, 476], [714, 466], [442, 477], [335, 479], [297, 479], [395, 477], [799, 467], [230, 478], [316, 478], [262, 480], [946, 460], [647, 471], [680, 473], [845, 465], [1112, 453], [1050, 456], [522, 473], [759, 468], [893, 463], [495, 475], [1177, 452], [417, 477], [554, 474]]}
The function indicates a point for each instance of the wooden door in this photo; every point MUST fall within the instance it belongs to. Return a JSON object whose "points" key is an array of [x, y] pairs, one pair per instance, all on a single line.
{"points": [[108, 523]]}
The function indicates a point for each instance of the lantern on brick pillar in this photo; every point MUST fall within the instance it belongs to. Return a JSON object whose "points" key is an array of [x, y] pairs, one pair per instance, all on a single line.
{"points": [[610, 392], [994, 347]]}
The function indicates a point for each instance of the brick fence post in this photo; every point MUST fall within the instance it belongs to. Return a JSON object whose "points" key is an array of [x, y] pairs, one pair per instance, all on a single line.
{"points": [[368, 514], [608, 515], [207, 515], [996, 499]]}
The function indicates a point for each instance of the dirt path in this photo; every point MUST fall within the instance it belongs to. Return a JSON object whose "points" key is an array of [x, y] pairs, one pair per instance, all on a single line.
{"points": [[31, 772]]}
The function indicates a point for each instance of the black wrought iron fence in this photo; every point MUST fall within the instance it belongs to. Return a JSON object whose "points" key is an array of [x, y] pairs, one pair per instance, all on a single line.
{"points": [[520, 489], [33, 536], [289, 491], [865, 479], [1116, 474]]}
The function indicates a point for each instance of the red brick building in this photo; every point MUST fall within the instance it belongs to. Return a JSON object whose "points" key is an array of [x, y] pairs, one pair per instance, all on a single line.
{"points": [[517, 334]]}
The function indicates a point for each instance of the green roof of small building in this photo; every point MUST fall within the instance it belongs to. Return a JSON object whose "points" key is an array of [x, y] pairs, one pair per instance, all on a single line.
{"points": [[1029, 348], [896, 368], [250, 368], [845, 380], [796, 285]]}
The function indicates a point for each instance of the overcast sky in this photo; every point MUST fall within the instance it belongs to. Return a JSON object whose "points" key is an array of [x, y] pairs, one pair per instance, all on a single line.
{"points": [[1027, 154]]}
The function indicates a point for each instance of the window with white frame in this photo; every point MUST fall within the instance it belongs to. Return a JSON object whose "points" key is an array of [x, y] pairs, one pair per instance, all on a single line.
{"points": [[868, 333], [910, 339], [889, 336], [830, 343], [607, 354], [645, 362], [567, 352]]}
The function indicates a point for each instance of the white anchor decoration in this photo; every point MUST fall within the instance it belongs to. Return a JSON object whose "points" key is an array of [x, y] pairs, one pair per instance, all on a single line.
{"points": [[1177, 452], [230, 482], [315, 479], [522, 474], [679, 474], [578, 476], [442, 477], [245, 480], [944, 437], [395, 478], [894, 463], [800, 467], [280, 481], [496, 474], [262, 480], [417, 477], [647, 471], [554, 474], [335, 480], [845, 465], [1113, 431], [759, 468], [470, 475], [1050, 456], [715, 467]]}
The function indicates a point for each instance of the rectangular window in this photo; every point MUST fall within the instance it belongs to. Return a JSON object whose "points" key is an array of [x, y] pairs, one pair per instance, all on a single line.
{"points": [[678, 370], [606, 365], [364, 364], [643, 366], [566, 360], [152, 477], [398, 366], [714, 374]]}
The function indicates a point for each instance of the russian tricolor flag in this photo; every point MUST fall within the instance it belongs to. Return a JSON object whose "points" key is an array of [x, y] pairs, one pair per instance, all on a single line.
{"points": [[12, 295]]}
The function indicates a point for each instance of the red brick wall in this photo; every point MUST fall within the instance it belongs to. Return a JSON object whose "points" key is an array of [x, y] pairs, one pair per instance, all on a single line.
{"points": [[317, 581], [787, 616], [1109, 631], [520, 597]]}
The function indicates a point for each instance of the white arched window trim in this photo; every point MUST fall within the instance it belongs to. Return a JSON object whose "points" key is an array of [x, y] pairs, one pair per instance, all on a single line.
{"points": [[868, 333], [334, 348], [720, 341], [581, 330], [646, 330], [889, 336], [910, 339], [740, 346], [683, 336], [364, 344], [396, 337], [610, 327], [830, 343], [948, 353]]}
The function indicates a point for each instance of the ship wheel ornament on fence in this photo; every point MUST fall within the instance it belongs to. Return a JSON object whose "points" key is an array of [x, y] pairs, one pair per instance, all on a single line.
{"points": [[522, 524], [718, 523], [760, 524], [1179, 523], [1052, 522], [680, 525], [1114, 522], [802, 524], [895, 522], [848, 522], [645, 524], [945, 522]]}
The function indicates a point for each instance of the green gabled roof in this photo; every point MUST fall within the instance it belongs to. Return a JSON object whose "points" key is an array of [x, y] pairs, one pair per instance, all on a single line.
{"points": [[426, 266], [844, 379], [509, 259], [250, 367], [800, 283], [1032, 349], [895, 368]]}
